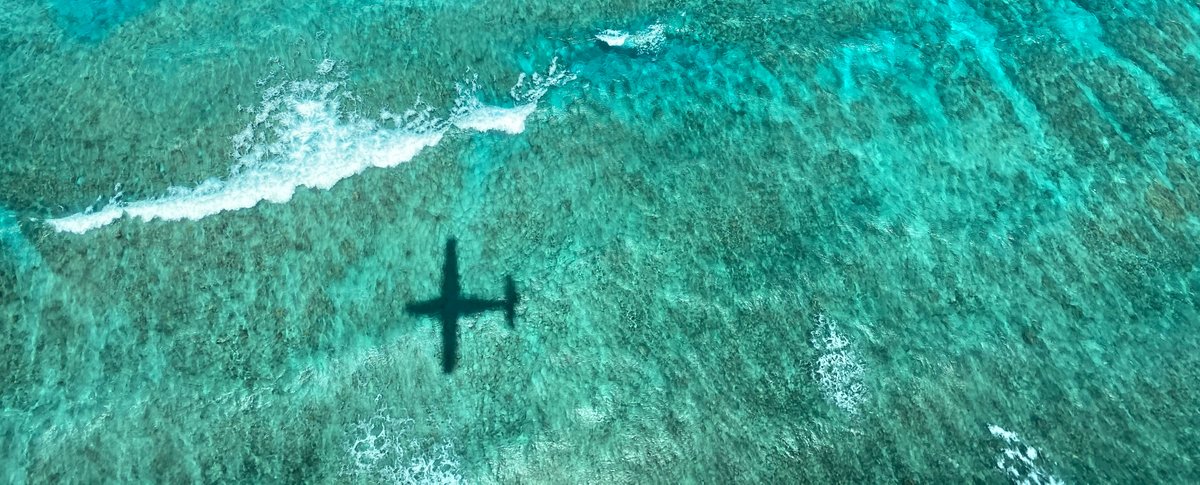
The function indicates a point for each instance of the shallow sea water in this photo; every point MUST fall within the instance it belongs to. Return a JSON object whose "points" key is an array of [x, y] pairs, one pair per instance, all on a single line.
{"points": [[824, 242]]}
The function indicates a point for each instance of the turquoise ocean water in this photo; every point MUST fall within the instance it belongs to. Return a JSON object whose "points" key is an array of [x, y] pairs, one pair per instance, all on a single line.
{"points": [[755, 242]]}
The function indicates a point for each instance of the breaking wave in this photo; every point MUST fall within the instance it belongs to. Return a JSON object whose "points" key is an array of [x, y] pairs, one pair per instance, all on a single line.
{"points": [[301, 136]]}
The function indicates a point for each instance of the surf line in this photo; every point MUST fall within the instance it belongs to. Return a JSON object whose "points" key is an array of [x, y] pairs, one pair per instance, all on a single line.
{"points": [[300, 137]]}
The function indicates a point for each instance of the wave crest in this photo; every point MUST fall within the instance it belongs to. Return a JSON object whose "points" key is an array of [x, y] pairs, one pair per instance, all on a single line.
{"points": [[301, 136]]}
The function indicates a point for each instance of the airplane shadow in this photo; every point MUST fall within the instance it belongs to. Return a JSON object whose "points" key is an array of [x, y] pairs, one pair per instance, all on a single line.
{"points": [[453, 304]]}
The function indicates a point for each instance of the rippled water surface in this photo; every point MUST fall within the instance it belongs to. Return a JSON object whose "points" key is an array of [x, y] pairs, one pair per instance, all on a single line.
{"points": [[778, 242]]}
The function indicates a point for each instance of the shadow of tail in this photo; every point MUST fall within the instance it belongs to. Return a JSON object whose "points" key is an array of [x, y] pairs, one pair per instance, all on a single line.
{"points": [[511, 299]]}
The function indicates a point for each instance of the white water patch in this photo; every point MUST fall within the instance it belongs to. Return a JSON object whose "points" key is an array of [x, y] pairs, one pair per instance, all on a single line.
{"points": [[839, 369], [326, 66], [507, 120], [1019, 461], [384, 450], [645, 41], [301, 136], [614, 38]]}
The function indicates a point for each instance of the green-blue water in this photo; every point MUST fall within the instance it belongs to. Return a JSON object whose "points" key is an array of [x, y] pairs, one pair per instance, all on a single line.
{"points": [[778, 242]]}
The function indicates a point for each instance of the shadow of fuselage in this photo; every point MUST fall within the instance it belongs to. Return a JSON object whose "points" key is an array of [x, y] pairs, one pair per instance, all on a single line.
{"points": [[452, 305]]}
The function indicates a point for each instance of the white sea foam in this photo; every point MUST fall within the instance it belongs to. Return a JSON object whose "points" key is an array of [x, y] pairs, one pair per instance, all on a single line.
{"points": [[645, 41], [383, 450], [493, 118], [839, 369], [1019, 460], [300, 136], [614, 38], [471, 114], [326, 66]]}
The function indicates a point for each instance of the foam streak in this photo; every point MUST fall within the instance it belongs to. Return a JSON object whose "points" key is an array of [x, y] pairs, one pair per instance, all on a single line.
{"points": [[300, 137]]}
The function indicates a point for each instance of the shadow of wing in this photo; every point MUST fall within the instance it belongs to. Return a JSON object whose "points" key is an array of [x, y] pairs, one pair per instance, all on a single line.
{"points": [[427, 307]]}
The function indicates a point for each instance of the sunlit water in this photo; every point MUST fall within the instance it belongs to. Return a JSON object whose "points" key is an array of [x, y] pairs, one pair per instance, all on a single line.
{"points": [[841, 242]]}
